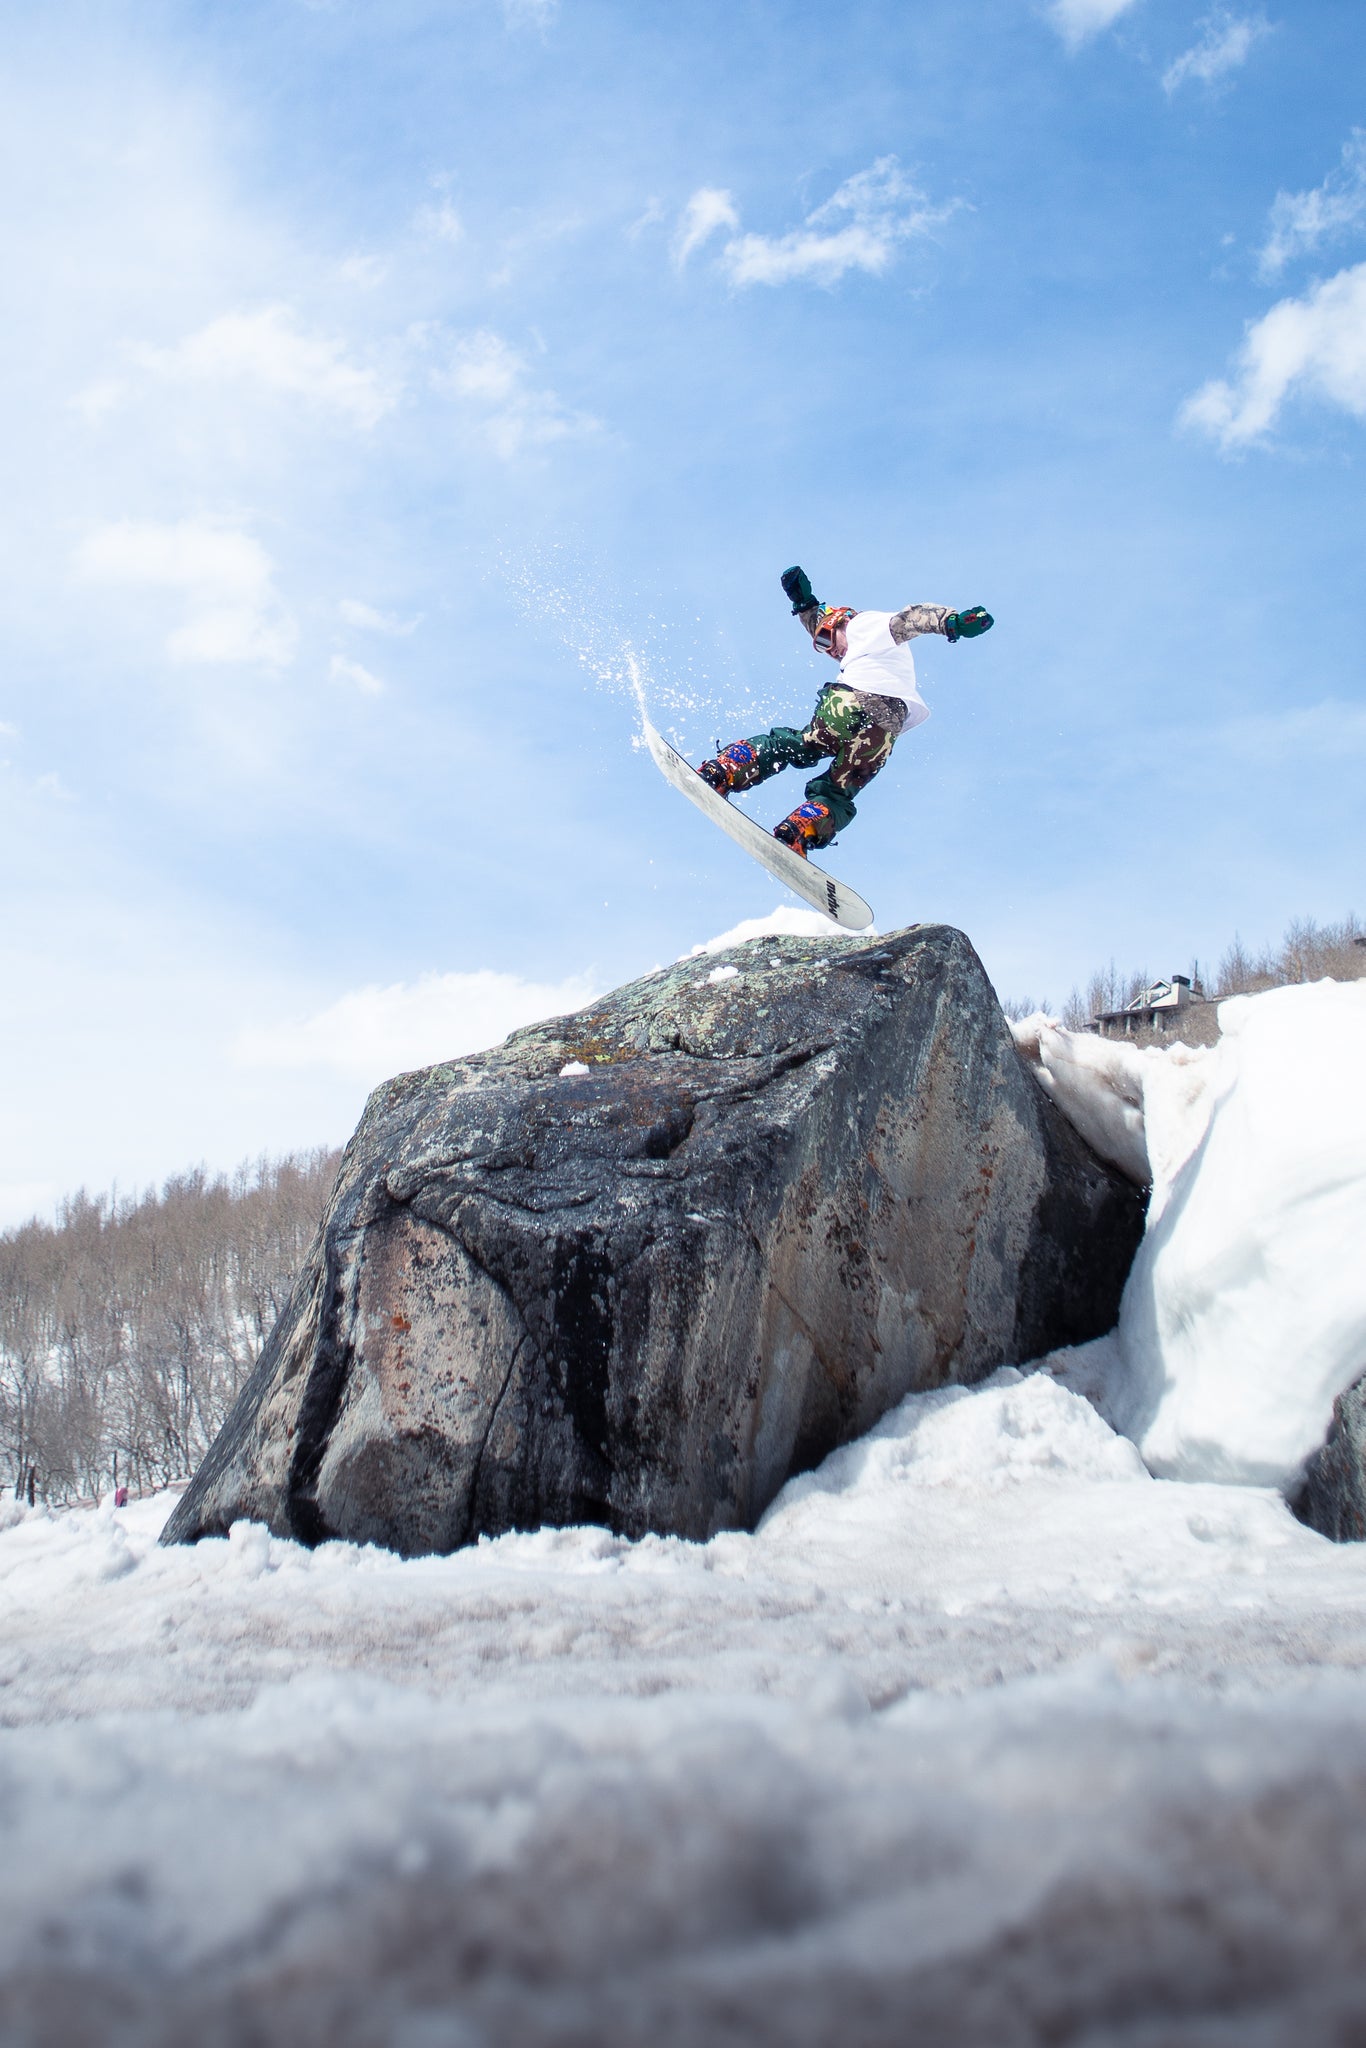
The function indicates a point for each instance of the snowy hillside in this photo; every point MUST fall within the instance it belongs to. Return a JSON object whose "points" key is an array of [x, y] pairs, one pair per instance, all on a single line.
{"points": [[986, 1735]]}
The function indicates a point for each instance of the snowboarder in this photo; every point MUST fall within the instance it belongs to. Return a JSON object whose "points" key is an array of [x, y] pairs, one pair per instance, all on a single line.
{"points": [[857, 719]]}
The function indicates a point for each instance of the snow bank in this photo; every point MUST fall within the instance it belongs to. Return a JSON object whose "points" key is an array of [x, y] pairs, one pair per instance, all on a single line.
{"points": [[1140, 1107], [1245, 1313]]}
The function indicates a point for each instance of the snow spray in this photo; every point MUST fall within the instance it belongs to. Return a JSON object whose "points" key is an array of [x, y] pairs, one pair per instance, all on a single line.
{"points": [[657, 666]]}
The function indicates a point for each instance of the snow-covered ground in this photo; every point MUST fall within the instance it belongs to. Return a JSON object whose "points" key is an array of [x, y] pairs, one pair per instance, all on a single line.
{"points": [[986, 1735], [985, 1731]]}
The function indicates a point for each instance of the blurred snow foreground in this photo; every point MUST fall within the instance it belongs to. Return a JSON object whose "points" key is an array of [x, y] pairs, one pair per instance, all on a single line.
{"points": [[986, 1735], [1245, 1312]]}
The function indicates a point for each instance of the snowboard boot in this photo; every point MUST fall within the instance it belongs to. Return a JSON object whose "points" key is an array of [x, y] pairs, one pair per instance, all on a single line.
{"points": [[732, 768], [805, 828]]}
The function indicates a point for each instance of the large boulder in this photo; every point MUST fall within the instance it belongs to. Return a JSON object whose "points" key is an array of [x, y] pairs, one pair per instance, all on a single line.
{"points": [[796, 1181]]}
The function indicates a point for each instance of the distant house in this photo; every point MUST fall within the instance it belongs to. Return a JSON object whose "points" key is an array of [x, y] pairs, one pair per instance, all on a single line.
{"points": [[1158, 1007]]}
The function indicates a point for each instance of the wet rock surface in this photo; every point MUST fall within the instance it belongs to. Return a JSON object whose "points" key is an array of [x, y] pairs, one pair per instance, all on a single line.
{"points": [[798, 1180]]}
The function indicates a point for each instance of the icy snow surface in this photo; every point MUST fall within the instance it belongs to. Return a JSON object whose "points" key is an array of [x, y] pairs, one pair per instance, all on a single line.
{"points": [[984, 1728], [1245, 1313]]}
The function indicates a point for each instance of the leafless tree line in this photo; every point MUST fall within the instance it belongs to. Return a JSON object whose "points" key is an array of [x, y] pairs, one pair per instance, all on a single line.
{"points": [[1308, 952], [127, 1327]]}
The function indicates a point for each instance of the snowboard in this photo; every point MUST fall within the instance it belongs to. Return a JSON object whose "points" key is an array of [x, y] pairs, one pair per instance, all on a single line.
{"points": [[802, 877]]}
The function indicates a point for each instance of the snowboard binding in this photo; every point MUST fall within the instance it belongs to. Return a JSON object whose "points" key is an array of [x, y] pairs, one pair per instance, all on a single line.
{"points": [[731, 768], [803, 829]]}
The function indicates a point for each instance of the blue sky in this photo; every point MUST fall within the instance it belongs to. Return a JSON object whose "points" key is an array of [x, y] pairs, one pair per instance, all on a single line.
{"points": [[378, 376]]}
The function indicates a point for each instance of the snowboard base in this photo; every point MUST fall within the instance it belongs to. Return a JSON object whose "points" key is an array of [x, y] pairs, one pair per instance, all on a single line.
{"points": [[802, 877]]}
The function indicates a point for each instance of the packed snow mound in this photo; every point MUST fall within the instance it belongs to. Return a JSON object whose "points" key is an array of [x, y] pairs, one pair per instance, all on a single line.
{"points": [[786, 922], [1245, 1313], [1011, 1430]]}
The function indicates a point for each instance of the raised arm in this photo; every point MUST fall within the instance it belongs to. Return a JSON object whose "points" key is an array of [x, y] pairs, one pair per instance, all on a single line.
{"points": [[916, 619], [937, 618], [806, 606]]}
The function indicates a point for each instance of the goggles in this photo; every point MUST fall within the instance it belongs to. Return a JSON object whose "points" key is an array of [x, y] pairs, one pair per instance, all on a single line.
{"points": [[823, 639]]}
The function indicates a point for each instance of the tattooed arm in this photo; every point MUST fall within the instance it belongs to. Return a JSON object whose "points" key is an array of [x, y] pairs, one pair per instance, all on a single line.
{"points": [[916, 619]]}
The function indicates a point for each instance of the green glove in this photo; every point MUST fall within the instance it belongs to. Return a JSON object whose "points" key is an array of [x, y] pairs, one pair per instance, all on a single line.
{"points": [[967, 625], [797, 584]]}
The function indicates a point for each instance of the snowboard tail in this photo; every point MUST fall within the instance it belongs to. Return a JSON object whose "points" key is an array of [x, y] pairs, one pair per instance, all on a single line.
{"points": [[843, 905]]}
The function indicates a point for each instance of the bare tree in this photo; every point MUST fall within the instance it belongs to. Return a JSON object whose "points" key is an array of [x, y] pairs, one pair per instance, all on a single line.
{"points": [[128, 1326], [1308, 952]]}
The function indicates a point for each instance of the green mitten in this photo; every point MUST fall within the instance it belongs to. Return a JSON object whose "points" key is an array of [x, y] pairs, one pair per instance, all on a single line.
{"points": [[797, 584], [967, 625]]}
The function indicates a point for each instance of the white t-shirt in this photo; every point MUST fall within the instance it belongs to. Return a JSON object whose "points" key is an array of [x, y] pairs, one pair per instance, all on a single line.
{"points": [[878, 666]]}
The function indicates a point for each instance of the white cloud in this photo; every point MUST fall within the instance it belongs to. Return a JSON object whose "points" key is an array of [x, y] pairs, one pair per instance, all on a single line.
{"points": [[441, 222], [486, 373], [1315, 344], [860, 227], [265, 348], [104, 396], [366, 271], [374, 1032], [1226, 43], [708, 211], [652, 215], [1301, 220], [369, 620], [344, 671], [225, 576], [486, 368], [8, 731], [1078, 20]]}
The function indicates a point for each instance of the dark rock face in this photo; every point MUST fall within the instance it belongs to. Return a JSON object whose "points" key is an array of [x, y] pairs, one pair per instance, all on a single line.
{"points": [[1332, 1494], [784, 1195]]}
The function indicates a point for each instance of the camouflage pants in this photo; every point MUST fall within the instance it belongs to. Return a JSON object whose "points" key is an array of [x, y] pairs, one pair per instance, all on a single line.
{"points": [[840, 725]]}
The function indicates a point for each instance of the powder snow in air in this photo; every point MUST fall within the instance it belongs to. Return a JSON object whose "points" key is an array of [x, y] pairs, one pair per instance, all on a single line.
{"points": [[678, 670]]}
